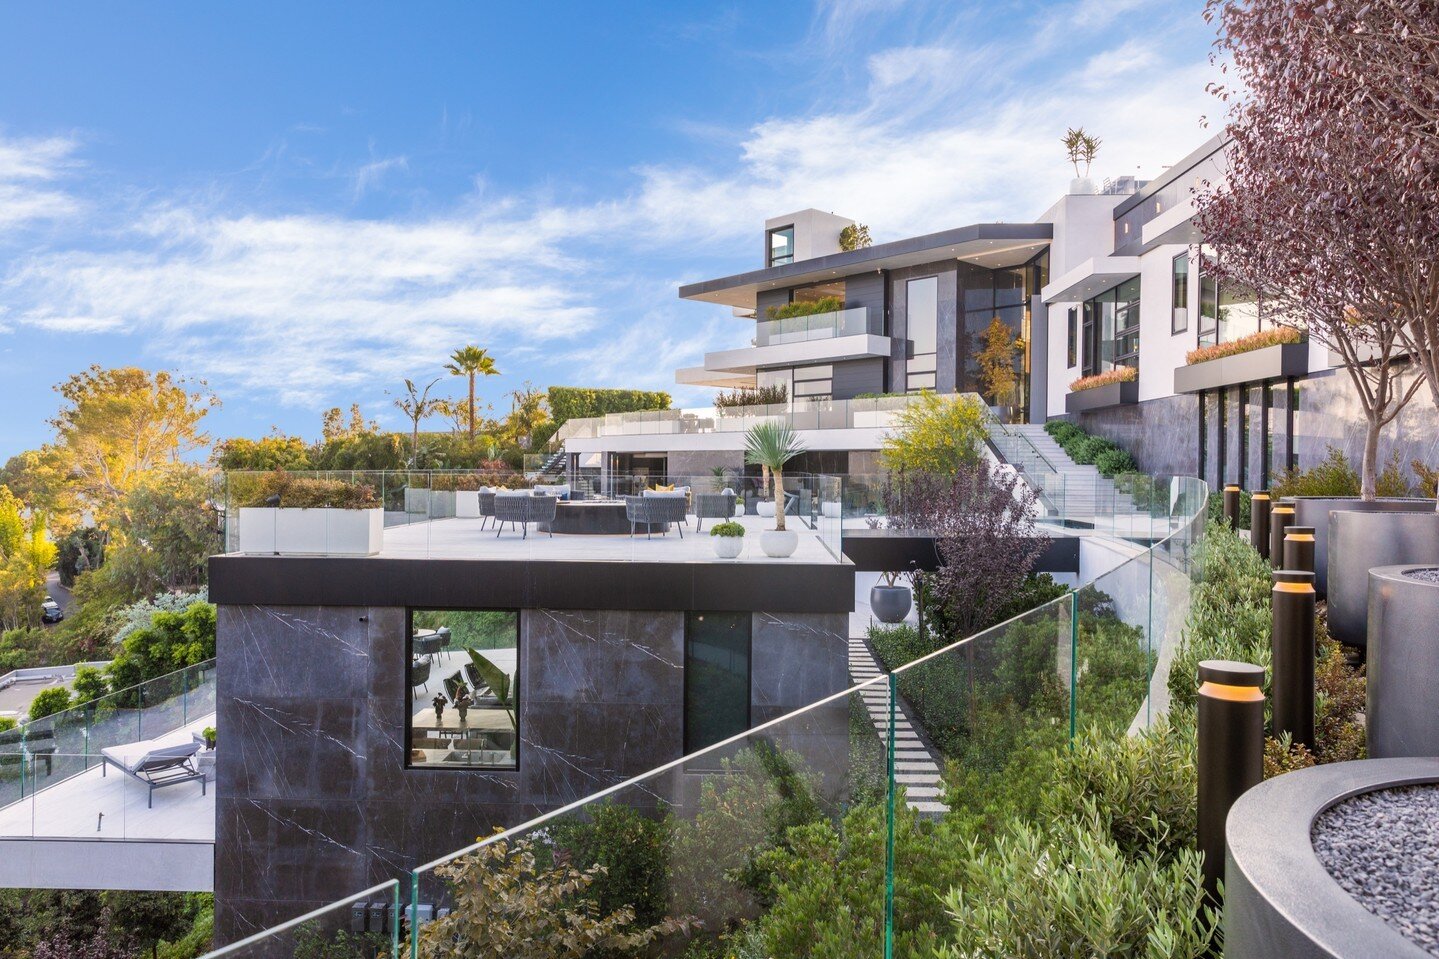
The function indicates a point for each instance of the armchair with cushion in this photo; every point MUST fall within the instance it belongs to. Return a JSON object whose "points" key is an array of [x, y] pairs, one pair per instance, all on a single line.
{"points": [[713, 506]]}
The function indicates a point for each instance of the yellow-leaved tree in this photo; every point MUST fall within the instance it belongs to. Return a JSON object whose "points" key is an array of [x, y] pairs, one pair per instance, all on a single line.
{"points": [[935, 434]]}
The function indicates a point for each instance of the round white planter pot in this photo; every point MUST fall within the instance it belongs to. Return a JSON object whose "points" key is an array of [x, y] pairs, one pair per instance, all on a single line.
{"points": [[739, 508], [779, 543], [765, 507], [727, 547]]}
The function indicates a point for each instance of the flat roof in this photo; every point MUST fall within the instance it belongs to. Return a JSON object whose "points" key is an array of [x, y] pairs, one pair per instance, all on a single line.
{"points": [[984, 244]]}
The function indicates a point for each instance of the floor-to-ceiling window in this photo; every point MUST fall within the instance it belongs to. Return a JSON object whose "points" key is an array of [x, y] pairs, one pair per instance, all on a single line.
{"points": [[781, 246], [1111, 329], [922, 325], [717, 677], [1227, 310], [993, 356], [1179, 294]]}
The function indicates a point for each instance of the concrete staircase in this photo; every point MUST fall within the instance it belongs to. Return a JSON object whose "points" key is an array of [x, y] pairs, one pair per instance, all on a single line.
{"points": [[916, 768], [1080, 491]]}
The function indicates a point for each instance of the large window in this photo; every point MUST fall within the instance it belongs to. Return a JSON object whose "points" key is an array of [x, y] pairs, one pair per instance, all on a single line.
{"points": [[781, 246], [717, 680], [1179, 310], [464, 697], [922, 326], [813, 382], [1111, 329]]}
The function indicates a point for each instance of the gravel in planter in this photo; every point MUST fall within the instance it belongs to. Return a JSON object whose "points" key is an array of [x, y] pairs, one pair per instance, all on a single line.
{"points": [[1424, 575], [1383, 848]]}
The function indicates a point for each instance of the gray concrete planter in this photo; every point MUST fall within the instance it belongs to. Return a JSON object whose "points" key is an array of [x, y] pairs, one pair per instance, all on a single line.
{"points": [[1099, 397], [1279, 900], [1266, 363], [1314, 511], [1360, 541], [1402, 712], [890, 603]]}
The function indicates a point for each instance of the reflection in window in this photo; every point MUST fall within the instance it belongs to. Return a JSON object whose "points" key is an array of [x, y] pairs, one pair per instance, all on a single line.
{"points": [[781, 246], [464, 667], [1111, 329], [1179, 309], [717, 681], [922, 325], [1073, 335]]}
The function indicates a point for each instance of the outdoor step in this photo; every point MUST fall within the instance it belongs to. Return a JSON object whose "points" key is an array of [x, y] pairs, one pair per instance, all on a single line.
{"points": [[923, 792], [929, 807], [916, 779]]}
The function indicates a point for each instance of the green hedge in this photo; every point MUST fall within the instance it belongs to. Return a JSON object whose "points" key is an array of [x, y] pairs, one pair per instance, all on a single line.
{"points": [[1087, 449], [578, 402]]}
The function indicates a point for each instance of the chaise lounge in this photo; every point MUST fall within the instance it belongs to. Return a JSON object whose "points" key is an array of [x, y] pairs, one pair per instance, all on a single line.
{"points": [[154, 765]]}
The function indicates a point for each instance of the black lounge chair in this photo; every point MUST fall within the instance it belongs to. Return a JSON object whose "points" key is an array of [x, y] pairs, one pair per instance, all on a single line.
{"points": [[713, 506]]}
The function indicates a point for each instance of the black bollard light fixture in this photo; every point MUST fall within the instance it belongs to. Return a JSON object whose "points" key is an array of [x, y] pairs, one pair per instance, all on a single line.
{"points": [[1231, 506], [1279, 519], [1259, 504], [1299, 548], [1292, 639], [1231, 752]]}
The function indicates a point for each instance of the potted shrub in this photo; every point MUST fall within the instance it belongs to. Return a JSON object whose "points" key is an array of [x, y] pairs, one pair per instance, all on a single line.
{"points": [[770, 445], [299, 515], [889, 600], [727, 539]]}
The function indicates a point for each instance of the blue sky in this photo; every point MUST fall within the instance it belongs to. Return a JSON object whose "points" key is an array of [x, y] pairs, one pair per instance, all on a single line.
{"points": [[303, 204]]}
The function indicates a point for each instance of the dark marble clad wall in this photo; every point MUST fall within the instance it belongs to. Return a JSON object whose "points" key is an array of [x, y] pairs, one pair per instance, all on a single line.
{"points": [[313, 798], [1162, 435]]}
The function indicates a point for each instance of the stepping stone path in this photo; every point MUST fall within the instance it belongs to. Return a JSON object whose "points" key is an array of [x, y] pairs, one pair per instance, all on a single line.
{"points": [[916, 767]]}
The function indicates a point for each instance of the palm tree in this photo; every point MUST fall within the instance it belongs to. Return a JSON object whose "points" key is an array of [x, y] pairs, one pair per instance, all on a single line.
{"points": [[772, 444], [471, 361], [417, 405]]}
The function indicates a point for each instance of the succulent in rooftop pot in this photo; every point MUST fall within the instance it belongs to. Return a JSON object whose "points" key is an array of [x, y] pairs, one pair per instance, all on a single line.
{"points": [[771, 445], [727, 539]]}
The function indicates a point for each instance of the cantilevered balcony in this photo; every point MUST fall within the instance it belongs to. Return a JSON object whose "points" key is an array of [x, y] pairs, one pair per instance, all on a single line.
{"points": [[849, 334]]}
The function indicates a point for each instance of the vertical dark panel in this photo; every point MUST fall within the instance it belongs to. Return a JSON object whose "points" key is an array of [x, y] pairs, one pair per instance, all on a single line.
{"points": [[1266, 399], [853, 377], [867, 290], [717, 677]]}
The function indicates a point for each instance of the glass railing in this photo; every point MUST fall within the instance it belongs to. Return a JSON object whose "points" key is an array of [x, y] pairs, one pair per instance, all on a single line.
{"points": [[816, 326], [369, 924], [867, 413], [441, 514], [829, 821], [49, 751]]}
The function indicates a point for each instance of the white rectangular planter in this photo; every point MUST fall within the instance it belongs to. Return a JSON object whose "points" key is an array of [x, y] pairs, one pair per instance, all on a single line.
{"points": [[467, 503], [311, 532]]}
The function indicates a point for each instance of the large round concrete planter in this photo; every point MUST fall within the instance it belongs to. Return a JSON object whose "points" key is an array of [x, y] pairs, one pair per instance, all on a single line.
{"points": [[1279, 900], [1402, 713], [1360, 541], [779, 543], [1314, 511], [727, 547], [890, 603]]}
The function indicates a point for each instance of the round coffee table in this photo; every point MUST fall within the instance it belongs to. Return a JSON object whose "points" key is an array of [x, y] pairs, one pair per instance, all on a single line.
{"points": [[594, 518]]}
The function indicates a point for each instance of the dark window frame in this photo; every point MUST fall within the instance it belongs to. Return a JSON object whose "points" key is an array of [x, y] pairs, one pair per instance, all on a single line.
{"points": [[1179, 295], [1073, 337], [409, 654], [770, 260]]}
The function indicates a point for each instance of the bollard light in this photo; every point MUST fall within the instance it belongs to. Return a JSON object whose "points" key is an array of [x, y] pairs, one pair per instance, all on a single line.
{"points": [[1231, 506], [1279, 519], [1292, 639], [1259, 505], [1299, 548], [1231, 752]]}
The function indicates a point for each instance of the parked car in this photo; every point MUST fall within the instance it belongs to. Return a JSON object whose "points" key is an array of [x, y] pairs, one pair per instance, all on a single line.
{"points": [[50, 611]]}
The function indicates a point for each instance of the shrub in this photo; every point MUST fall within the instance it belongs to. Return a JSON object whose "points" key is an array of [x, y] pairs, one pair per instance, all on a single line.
{"points": [[1143, 786], [1062, 430], [1428, 479], [826, 304], [1245, 344], [578, 402], [1066, 889], [1120, 374], [727, 528], [935, 434], [7, 723], [759, 396], [1115, 460], [632, 849], [1336, 476], [55, 699], [1246, 508], [1088, 450], [89, 685], [308, 492]]}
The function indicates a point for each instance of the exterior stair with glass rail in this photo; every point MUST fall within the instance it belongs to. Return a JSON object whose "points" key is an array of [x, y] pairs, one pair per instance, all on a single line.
{"points": [[916, 766], [1068, 490]]}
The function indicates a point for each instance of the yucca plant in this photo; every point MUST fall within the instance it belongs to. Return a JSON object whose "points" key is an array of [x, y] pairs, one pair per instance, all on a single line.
{"points": [[772, 444]]}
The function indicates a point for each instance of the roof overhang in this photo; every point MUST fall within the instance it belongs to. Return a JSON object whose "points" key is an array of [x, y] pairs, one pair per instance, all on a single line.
{"points": [[983, 244], [833, 350], [1091, 278], [1174, 225], [699, 376]]}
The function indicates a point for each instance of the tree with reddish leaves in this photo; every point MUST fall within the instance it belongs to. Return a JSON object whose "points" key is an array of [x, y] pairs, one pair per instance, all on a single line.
{"points": [[1331, 201]]}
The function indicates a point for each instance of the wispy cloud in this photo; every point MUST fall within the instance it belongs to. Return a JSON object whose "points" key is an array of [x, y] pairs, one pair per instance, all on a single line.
{"points": [[310, 308]]}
